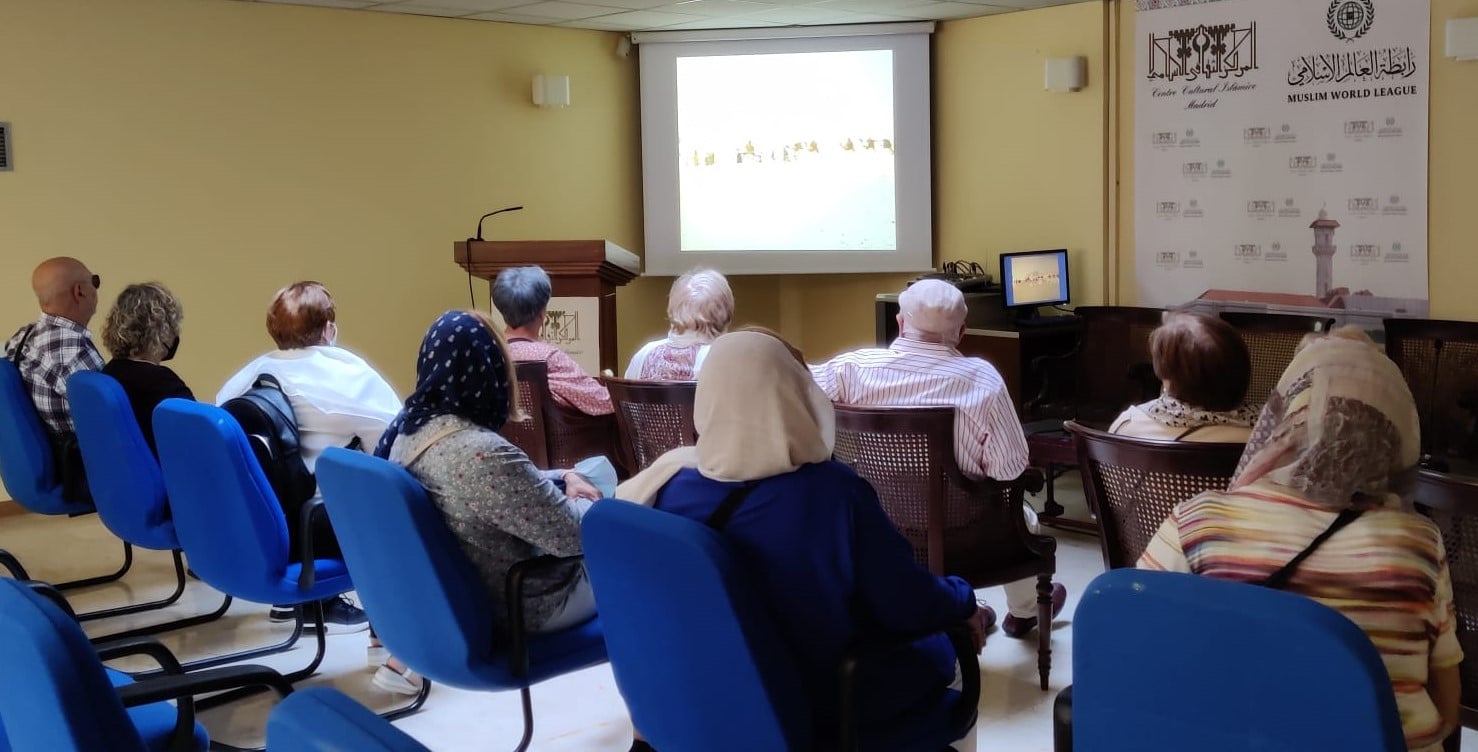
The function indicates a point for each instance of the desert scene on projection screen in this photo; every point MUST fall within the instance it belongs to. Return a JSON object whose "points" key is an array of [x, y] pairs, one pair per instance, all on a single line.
{"points": [[1035, 278], [787, 152]]}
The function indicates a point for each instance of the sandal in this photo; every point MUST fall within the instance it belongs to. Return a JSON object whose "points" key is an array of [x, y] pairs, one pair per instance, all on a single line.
{"points": [[395, 682]]}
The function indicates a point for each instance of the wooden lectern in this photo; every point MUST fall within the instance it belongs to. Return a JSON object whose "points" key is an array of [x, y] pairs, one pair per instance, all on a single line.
{"points": [[584, 275]]}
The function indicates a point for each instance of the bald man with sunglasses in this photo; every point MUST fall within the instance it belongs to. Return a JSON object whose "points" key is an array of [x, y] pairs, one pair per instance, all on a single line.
{"points": [[57, 345]]}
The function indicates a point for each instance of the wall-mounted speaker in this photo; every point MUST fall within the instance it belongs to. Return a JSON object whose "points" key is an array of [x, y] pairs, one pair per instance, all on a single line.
{"points": [[5, 162], [1462, 39], [1067, 73]]}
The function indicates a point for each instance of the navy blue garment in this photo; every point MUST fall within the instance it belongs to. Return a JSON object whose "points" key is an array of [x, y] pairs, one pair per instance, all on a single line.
{"points": [[461, 371], [838, 575]]}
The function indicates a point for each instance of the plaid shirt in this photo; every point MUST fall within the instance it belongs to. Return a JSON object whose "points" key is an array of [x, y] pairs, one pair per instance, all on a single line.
{"points": [[57, 348]]}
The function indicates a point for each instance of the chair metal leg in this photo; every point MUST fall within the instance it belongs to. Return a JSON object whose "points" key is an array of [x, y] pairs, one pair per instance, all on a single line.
{"points": [[179, 590], [103, 579], [1044, 627], [528, 720], [1052, 508], [13, 565]]}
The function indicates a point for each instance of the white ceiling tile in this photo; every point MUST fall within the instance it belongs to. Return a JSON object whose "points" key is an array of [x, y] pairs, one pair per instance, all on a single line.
{"points": [[561, 11], [869, 6], [631, 4], [466, 6], [804, 15], [862, 17], [729, 22], [354, 4], [719, 8], [941, 11], [639, 19], [504, 17]]}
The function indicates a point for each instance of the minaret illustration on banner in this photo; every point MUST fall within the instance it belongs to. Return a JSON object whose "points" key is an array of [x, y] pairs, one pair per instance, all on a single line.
{"points": [[1324, 254]]}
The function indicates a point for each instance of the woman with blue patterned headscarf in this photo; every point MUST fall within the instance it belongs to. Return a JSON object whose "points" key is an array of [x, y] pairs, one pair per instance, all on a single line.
{"points": [[501, 509]]}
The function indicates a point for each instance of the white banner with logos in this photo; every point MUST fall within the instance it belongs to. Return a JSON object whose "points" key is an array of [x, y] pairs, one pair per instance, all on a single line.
{"points": [[573, 325], [1281, 156]]}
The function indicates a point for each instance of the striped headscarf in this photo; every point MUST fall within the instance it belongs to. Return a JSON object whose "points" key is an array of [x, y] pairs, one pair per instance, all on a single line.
{"points": [[1340, 429], [461, 371]]}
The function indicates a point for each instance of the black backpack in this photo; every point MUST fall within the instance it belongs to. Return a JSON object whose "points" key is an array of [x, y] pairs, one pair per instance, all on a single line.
{"points": [[272, 428]]}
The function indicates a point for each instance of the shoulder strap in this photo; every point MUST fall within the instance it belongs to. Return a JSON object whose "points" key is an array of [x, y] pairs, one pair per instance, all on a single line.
{"points": [[21, 346], [1279, 579], [1188, 432], [726, 508], [429, 442]]}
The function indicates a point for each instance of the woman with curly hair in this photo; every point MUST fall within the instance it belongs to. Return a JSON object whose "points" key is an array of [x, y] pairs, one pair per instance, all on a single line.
{"points": [[143, 331]]}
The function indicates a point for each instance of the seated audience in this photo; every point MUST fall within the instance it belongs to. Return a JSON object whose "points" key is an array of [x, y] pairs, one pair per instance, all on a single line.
{"points": [[832, 566], [54, 347], [1204, 368], [521, 295], [1333, 461], [501, 509], [143, 331], [922, 367], [337, 398], [699, 309]]}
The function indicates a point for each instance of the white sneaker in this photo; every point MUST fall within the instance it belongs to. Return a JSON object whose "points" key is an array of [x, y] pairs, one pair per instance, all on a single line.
{"points": [[394, 682], [376, 656]]}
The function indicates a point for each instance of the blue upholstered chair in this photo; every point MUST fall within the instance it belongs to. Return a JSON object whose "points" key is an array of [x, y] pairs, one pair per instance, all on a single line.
{"points": [[699, 660], [127, 485], [320, 719], [29, 473], [428, 604], [1167, 662], [55, 694], [229, 522]]}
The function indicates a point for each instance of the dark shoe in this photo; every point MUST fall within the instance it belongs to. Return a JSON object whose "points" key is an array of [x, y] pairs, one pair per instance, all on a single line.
{"points": [[1019, 628], [640, 745], [280, 614], [340, 617], [988, 617]]}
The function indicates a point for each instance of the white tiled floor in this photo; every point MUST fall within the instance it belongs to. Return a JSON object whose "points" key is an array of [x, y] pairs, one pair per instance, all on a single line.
{"points": [[581, 711]]}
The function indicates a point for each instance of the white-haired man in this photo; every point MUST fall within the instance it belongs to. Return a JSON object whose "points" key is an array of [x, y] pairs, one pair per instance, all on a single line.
{"points": [[922, 367]]}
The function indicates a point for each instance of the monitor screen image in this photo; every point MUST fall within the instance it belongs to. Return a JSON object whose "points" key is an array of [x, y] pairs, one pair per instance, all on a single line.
{"points": [[1034, 278]]}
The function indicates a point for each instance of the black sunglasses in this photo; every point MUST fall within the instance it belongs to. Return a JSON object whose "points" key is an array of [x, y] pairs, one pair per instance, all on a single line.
{"points": [[97, 282]]}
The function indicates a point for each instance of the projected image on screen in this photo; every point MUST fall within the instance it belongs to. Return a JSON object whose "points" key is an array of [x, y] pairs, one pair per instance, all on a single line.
{"points": [[1036, 279], [787, 152]]}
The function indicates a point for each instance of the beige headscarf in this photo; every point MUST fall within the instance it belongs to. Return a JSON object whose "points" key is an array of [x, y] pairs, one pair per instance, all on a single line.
{"points": [[1340, 429], [758, 413]]}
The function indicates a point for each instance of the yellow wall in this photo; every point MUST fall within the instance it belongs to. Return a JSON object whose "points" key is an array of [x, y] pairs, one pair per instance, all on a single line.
{"points": [[228, 148], [1017, 167], [1452, 164]]}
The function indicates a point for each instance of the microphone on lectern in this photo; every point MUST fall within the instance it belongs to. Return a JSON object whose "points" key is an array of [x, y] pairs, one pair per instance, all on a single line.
{"points": [[489, 214], [470, 296]]}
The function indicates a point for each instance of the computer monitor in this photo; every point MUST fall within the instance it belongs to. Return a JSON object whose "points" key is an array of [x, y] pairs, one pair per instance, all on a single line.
{"points": [[1034, 278]]}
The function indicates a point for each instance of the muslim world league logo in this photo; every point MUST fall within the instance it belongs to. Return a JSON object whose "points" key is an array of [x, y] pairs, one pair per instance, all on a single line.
{"points": [[1350, 19]]}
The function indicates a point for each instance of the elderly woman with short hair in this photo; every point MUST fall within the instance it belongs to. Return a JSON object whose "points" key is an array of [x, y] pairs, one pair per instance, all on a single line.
{"points": [[142, 332], [1204, 368], [521, 295], [699, 309], [338, 400]]}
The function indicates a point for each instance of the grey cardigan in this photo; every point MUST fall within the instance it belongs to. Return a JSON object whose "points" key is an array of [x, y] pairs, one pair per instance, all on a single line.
{"points": [[500, 508]]}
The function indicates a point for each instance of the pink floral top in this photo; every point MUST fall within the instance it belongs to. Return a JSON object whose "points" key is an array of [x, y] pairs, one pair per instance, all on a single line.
{"points": [[570, 385]]}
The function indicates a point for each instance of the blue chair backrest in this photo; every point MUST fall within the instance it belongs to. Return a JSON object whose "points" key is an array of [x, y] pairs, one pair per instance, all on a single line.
{"points": [[127, 486], [696, 654], [319, 719], [26, 464], [225, 514], [430, 607], [1168, 661], [54, 694]]}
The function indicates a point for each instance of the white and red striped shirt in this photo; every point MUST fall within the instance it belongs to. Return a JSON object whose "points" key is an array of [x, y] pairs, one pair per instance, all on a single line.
{"points": [[988, 437]]}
